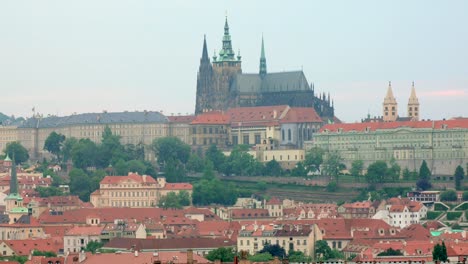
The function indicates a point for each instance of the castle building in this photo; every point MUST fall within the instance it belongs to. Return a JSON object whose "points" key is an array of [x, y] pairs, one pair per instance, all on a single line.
{"points": [[222, 85], [390, 106]]}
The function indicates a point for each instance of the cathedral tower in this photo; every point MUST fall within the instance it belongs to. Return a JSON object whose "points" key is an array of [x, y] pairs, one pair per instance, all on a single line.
{"points": [[413, 105], [204, 82], [390, 106]]}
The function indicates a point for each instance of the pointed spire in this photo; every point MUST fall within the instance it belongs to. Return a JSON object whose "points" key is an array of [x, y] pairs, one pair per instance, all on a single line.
{"points": [[226, 53], [413, 98], [389, 97], [205, 50], [263, 66], [13, 178]]}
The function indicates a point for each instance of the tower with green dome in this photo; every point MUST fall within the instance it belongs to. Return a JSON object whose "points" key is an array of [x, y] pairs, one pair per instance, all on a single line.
{"points": [[14, 202]]}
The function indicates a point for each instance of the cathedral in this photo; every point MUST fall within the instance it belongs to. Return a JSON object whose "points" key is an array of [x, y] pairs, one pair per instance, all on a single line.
{"points": [[222, 85]]}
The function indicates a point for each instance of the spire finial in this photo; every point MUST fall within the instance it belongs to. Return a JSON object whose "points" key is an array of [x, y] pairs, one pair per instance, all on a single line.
{"points": [[263, 66]]}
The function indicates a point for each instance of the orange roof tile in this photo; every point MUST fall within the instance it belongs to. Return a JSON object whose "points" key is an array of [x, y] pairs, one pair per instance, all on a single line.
{"points": [[211, 118], [85, 230], [181, 119], [132, 177], [178, 186], [302, 115]]}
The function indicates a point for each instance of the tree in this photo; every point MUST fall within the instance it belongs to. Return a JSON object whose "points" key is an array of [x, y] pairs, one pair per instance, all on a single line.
{"points": [[394, 170], [261, 257], [465, 196], [356, 168], [49, 191], [274, 249], [225, 254], [273, 168], [298, 257], [49, 254], [53, 144], [110, 149], [322, 250], [332, 187], [93, 246], [299, 170], [206, 192], [459, 175], [448, 196], [175, 200], [208, 172], [84, 154], [174, 171], [195, 163], [17, 152], [333, 165], [216, 156], [376, 172], [171, 148], [391, 252], [67, 148], [80, 184], [136, 166], [424, 172], [439, 252], [423, 184], [240, 162], [314, 158]]}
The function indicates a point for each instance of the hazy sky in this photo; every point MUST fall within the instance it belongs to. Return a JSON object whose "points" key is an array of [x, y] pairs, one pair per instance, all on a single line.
{"points": [[87, 56]]}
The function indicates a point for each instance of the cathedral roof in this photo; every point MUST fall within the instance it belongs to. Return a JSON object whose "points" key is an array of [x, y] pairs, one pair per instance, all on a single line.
{"points": [[271, 82]]}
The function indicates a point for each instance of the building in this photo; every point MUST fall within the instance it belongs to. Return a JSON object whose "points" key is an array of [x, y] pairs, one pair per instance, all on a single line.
{"points": [[253, 237], [354, 210], [443, 144], [78, 237], [134, 190], [179, 126], [123, 228], [424, 197], [402, 212], [221, 85]]}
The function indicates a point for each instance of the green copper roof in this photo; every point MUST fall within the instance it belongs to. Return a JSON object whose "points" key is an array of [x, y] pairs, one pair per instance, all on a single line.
{"points": [[19, 210], [226, 53], [7, 158], [14, 196]]}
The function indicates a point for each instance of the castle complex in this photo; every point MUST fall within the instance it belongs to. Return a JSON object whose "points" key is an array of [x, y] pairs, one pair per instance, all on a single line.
{"points": [[221, 85]]}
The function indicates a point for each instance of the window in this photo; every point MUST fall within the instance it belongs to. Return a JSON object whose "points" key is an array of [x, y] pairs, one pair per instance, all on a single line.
{"points": [[235, 140], [246, 139], [257, 139], [289, 134], [282, 134], [194, 141], [204, 130], [211, 130]]}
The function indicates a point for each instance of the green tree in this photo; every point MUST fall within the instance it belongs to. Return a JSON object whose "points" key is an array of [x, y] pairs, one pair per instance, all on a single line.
{"points": [[333, 165], [298, 257], [394, 170], [261, 257], [195, 163], [170, 200], [448, 196], [391, 252], [376, 172], [110, 150], [299, 170], [332, 186], [423, 184], [273, 168], [356, 168], [465, 196], [67, 148], [225, 254], [274, 250], [314, 158], [49, 191], [438, 252], [174, 171], [93, 246], [49, 254], [17, 152], [322, 250], [136, 166], [424, 172], [80, 184], [216, 156], [406, 174], [206, 192], [459, 175], [184, 198], [240, 162], [171, 149], [56, 179], [261, 185], [208, 171], [53, 144], [84, 154]]}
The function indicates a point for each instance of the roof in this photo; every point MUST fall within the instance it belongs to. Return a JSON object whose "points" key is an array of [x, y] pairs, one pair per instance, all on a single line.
{"points": [[302, 115], [178, 186], [95, 118], [257, 116], [375, 126], [271, 82], [175, 244], [181, 119], [131, 177], [211, 118], [143, 257], [249, 213], [85, 231], [24, 247]]}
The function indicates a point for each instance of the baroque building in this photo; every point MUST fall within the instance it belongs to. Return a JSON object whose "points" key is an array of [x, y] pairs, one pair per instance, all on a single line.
{"points": [[222, 85]]}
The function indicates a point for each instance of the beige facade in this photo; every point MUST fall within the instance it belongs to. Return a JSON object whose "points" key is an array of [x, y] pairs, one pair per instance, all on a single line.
{"points": [[254, 237], [134, 191], [7, 134], [20, 231]]}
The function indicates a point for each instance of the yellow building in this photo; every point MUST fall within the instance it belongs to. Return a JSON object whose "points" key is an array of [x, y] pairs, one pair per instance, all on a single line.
{"points": [[7, 134], [443, 144], [134, 190]]}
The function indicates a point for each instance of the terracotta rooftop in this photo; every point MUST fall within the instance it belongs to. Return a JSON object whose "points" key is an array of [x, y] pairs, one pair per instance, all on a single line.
{"points": [[301, 115], [143, 257], [211, 118], [132, 177], [178, 186], [85, 230], [173, 244], [181, 119]]}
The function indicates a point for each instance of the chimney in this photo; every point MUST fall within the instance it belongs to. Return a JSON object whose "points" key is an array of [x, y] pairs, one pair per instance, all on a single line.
{"points": [[136, 253], [81, 256], [189, 256], [275, 114]]}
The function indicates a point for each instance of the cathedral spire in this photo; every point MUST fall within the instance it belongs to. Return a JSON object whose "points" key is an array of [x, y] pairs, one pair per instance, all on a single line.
{"points": [[390, 110], [204, 57], [226, 53], [263, 66]]}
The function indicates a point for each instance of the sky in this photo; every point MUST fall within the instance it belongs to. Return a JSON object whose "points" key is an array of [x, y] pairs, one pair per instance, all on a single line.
{"points": [[63, 57]]}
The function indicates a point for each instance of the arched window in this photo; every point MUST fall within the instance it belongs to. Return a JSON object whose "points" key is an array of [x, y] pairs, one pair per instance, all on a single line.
{"points": [[289, 134]]}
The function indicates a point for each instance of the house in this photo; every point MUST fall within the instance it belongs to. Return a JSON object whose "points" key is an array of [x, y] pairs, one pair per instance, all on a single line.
{"points": [[78, 237], [402, 212]]}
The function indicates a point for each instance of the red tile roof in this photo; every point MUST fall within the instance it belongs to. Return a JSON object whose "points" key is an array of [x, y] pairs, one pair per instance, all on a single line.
{"points": [[173, 244], [143, 257], [257, 116], [178, 186], [132, 177], [24, 247], [85, 231], [301, 115], [373, 126], [181, 119], [211, 118]]}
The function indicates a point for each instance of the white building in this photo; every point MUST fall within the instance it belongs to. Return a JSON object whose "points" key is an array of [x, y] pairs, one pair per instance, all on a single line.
{"points": [[401, 213]]}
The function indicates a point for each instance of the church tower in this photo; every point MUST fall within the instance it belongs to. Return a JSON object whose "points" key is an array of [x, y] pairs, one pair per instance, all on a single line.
{"points": [[225, 68], [204, 82], [14, 202], [390, 106], [413, 105], [263, 65]]}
